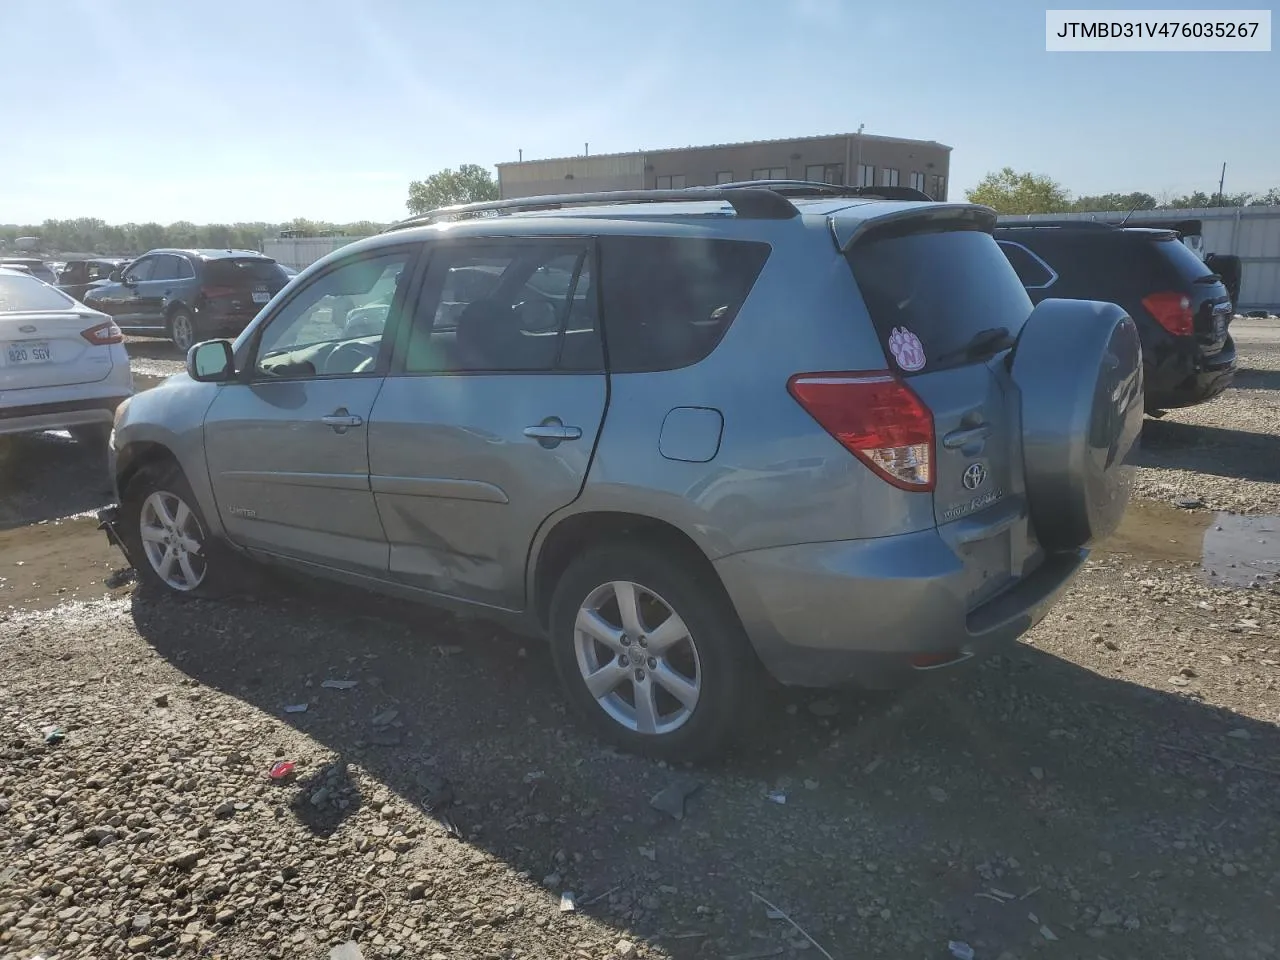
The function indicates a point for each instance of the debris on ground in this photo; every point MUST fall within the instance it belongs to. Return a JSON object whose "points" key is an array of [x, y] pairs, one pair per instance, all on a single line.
{"points": [[670, 799], [281, 770], [960, 950], [346, 951], [339, 684], [120, 578], [568, 902], [295, 708], [385, 718], [777, 796], [53, 733]]}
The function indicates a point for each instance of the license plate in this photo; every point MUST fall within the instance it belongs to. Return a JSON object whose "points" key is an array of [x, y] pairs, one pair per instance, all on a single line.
{"points": [[28, 351], [261, 296]]}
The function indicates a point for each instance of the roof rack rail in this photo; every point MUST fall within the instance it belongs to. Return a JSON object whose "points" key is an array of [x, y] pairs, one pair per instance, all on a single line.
{"points": [[1084, 224], [754, 204], [816, 188]]}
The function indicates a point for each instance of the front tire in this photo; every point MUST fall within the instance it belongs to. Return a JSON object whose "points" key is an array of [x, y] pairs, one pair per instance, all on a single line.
{"points": [[167, 536], [651, 652], [182, 329]]}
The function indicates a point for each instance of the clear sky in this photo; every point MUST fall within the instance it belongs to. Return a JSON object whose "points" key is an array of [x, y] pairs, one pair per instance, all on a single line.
{"points": [[223, 110]]}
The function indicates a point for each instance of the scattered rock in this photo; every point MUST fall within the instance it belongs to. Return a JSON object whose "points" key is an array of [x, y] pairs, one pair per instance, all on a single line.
{"points": [[385, 718], [185, 860], [670, 799], [140, 944], [938, 794], [624, 949], [160, 699], [1240, 733], [1229, 870], [225, 810]]}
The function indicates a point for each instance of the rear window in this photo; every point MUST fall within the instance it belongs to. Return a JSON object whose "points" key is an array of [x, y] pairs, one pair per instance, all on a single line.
{"points": [[944, 287], [1186, 265], [20, 294], [669, 300], [251, 271]]}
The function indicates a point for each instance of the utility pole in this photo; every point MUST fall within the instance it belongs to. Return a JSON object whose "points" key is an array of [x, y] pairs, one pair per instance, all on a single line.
{"points": [[1222, 180], [860, 183]]}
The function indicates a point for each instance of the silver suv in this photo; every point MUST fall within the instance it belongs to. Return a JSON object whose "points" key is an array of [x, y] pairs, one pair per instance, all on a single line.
{"points": [[679, 434]]}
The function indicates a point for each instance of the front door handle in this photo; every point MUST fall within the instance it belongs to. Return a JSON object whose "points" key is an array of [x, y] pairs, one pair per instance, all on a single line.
{"points": [[552, 431], [341, 420]]}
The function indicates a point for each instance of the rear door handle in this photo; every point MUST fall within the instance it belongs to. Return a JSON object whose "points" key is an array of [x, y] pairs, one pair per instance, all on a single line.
{"points": [[551, 431], [962, 438]]}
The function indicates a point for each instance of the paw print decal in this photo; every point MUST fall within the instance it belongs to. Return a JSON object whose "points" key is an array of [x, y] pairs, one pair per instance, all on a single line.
{"points": [[907, 349]]}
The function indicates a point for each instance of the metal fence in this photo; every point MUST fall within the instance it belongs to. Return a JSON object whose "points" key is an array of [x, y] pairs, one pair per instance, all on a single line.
{"points": [[1250, 233]]}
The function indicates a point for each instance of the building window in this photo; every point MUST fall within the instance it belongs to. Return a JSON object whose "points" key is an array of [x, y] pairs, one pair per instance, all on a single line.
{"points": [[769, 173], [917, 181], [824, 172], [675, 181], [866, 175], [939, 188], [724, 176], [888, 177]]}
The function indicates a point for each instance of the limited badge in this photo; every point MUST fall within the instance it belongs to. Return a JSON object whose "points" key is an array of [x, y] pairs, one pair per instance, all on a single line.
{"points": [[906, 349]]}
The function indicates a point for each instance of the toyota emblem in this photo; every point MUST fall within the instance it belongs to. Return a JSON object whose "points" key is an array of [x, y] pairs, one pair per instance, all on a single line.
{"points": [[974, 475]]}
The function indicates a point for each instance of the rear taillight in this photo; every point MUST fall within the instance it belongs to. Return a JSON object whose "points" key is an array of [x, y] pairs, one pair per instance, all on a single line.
{"points": [[876, 417], [214, 293], [103, 334], [1172, 311]]}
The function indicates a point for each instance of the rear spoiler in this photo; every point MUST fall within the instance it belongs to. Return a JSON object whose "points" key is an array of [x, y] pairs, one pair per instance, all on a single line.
{"points": [[922, 219]]}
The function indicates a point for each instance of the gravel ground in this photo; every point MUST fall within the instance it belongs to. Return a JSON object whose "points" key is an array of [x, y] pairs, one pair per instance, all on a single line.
{"points": [[1106, 789]]}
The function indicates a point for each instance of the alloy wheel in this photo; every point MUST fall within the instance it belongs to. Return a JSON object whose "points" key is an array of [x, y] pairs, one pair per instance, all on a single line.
{"points": [[173, 541], [637, 658]]}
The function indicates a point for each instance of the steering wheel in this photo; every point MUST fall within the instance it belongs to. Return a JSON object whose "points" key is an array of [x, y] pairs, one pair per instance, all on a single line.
{"points": [[349, 357], [536, 313]]}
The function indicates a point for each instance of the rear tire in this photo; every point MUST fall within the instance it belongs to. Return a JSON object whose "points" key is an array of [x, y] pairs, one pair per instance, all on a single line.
{"points": [[678, 688], [167, 537], [182, 329]]}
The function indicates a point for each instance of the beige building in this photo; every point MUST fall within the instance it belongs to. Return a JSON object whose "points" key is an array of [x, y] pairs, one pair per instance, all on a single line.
{"points": [[852, 158]]}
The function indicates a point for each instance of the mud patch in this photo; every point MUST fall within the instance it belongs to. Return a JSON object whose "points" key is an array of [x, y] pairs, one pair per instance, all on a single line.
{"points": [[1159, 531], [46, 564]]}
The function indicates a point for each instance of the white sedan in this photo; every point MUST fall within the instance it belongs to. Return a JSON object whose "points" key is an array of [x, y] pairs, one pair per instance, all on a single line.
{"points": [[62, 365]]}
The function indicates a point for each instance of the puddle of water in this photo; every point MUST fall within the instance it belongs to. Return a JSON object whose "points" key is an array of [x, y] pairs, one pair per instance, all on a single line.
{"points": [[1232, 550], [45, 564], [1241, 550]]}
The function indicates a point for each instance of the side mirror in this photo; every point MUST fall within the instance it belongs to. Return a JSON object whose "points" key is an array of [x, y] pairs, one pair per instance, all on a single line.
{"points": [[211, 362]]}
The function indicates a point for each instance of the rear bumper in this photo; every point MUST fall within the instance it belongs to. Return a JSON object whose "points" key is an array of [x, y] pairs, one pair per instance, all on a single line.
{"points": [[60, 415], [858, 612], [1184, 378]]}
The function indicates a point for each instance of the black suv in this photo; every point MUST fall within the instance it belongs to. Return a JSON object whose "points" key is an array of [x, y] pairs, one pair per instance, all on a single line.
{"points": [[189, 295], [1181, 307]]}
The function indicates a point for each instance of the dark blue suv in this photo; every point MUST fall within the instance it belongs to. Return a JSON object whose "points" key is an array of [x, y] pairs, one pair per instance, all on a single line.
{"points": [[189, 295]]}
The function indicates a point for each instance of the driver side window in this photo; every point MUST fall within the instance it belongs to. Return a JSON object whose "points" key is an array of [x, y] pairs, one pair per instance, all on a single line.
{"points": [[140, 270], [334, 326]]}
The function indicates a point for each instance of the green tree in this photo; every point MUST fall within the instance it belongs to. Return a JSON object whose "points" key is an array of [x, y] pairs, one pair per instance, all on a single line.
{"points": [[470, 183], [1115, 201], [1008, 191], [1268, 199], [1201, 199]]}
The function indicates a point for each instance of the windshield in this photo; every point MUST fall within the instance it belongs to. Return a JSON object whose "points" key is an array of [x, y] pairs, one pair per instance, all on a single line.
{"points": [[26, 294]]}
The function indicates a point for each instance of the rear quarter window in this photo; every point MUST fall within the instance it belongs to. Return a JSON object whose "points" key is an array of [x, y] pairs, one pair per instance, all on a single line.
{"points": [[945, 287], [668, 301]]}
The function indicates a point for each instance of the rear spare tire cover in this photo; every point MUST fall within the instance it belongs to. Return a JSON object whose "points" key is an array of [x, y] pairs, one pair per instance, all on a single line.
{"points": [[1078, 365]]}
